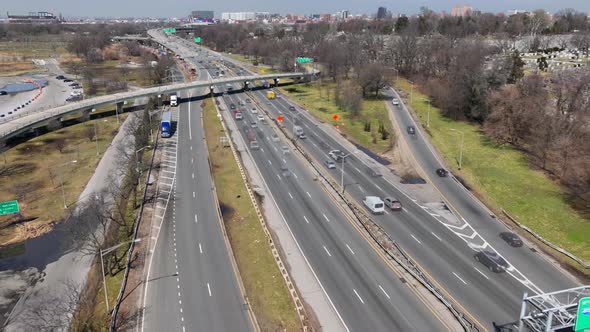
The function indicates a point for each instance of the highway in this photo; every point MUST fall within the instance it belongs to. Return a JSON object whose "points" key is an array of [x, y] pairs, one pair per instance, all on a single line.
{"points": [[193, 285], [434, 242], [367, 294]]}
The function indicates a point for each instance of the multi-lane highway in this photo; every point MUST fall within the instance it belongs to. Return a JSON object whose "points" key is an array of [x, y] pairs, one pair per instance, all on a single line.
{"points": [[192, 283], [365, 291]]}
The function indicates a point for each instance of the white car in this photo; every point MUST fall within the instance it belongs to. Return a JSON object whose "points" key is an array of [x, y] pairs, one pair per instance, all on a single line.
{"points": [[254, 110], [395, 102], [261, 118]]}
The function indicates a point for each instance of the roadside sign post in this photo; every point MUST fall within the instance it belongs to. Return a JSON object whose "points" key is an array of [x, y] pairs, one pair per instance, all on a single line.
{"points": [[9, 207]]}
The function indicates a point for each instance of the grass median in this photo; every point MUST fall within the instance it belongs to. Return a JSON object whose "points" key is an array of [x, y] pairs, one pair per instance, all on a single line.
{"points": [[319, 100], [265, 288], [501, 176], [32, 173]]}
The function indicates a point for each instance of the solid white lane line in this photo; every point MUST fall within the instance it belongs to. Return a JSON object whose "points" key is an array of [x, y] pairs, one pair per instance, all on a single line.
{"points": [[191, 147], [270, 162], [384, 292], [196, 220], [476, 269], [209, 289], [436, 236], [463, 281], [295, 175], [190, 131], [307, 221], [347, 246], [279, 176], [357, 295], [193, 194], [358, 170], [412, 235], [290, 195], [328, 220], [378, 187], [193, 175], [326, 249], [308, 194], [200, 248]]}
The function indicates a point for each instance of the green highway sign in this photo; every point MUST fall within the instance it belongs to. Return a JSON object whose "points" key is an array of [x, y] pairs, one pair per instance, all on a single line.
{"points": [[8, 207], [198, 40], [583, 318], [304, 60], [169, 30]]}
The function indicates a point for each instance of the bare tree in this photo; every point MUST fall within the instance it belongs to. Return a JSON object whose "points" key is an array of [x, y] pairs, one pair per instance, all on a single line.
{"points": [[373, 78], [60, 144]]}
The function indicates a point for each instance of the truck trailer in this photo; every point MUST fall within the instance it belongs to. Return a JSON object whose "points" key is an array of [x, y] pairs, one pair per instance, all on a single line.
{"points": [[166, 130]]}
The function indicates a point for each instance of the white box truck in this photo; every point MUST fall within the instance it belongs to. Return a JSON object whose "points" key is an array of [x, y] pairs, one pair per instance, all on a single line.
{"points": [[173, 99]]}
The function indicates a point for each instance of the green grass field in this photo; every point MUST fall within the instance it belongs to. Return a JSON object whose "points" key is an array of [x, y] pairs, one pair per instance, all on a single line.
{"points": [[324, 108], [33, 171], [264, 284], [502, 176]]}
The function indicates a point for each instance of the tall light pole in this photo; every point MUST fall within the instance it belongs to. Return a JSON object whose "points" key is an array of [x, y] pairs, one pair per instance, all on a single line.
{"points": [[104, 282], [461, 149], [342, 169], [95, 133], [428, 117], [63, 192]]}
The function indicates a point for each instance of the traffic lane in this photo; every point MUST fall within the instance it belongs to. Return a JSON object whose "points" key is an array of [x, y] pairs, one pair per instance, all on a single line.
{"points": [[162, 310], [465, 269], [334, 249], [537, 268], [216, 301]]}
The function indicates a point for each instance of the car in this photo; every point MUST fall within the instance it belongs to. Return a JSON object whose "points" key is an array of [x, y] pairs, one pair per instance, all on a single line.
{"points": [[253, 124], [285, 170], [395, 102], [75, 84], [337, 155], [292, 108], [492, 261], [248, 100], [392, 203], [3, 93], [60, 77], [67, 80], [9, 112], [261, 118], [411, 130], [330, 164], [511, 238], [254, 110], [232, 106], [242, 102], [442, 172], [275, 138], [285, 149]]}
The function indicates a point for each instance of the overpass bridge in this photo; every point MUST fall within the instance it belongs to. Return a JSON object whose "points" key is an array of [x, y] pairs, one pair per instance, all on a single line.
{"points": [[17, 126]]}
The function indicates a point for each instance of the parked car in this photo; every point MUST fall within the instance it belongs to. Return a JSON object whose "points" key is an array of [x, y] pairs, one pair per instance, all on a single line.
{"points": [[392, 203], [442, 172], [60, 77], [3, 93], [411, 130], [67, 80], [395, 102], [492, 261], [511, 238], [2, 115], [330, 164]]}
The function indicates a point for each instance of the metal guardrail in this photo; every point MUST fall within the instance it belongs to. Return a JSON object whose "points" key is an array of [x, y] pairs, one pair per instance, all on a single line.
{"points": [[116, 307], [547, 243]]}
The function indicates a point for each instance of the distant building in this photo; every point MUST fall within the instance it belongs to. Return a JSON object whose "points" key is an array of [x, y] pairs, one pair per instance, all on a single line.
{"points": [[202, 16], [39, 18], [381, 13], [238, 16], [342, 15], [516, 11], [461, 10]]}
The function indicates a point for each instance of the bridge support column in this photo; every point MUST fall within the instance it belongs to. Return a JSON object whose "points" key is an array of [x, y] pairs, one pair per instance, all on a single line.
{"points": [[211, 90], [119, 109], [276, 80], [246, 85]]}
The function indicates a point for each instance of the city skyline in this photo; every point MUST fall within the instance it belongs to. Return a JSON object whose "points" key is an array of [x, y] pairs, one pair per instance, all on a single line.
{"points": [[182, 8]]}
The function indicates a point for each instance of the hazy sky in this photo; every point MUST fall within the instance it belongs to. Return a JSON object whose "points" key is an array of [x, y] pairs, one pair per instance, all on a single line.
{"points": [[181, 8]]}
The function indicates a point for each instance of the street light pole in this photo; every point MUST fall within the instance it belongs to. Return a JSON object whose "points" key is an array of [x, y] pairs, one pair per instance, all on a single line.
{"points": [[342, 169], [104, 282], [428, 117], [461, 148], [63, 192]]}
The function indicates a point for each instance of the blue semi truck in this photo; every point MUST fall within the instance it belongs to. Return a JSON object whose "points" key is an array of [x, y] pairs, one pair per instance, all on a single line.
{"points": [[166, 124]]}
